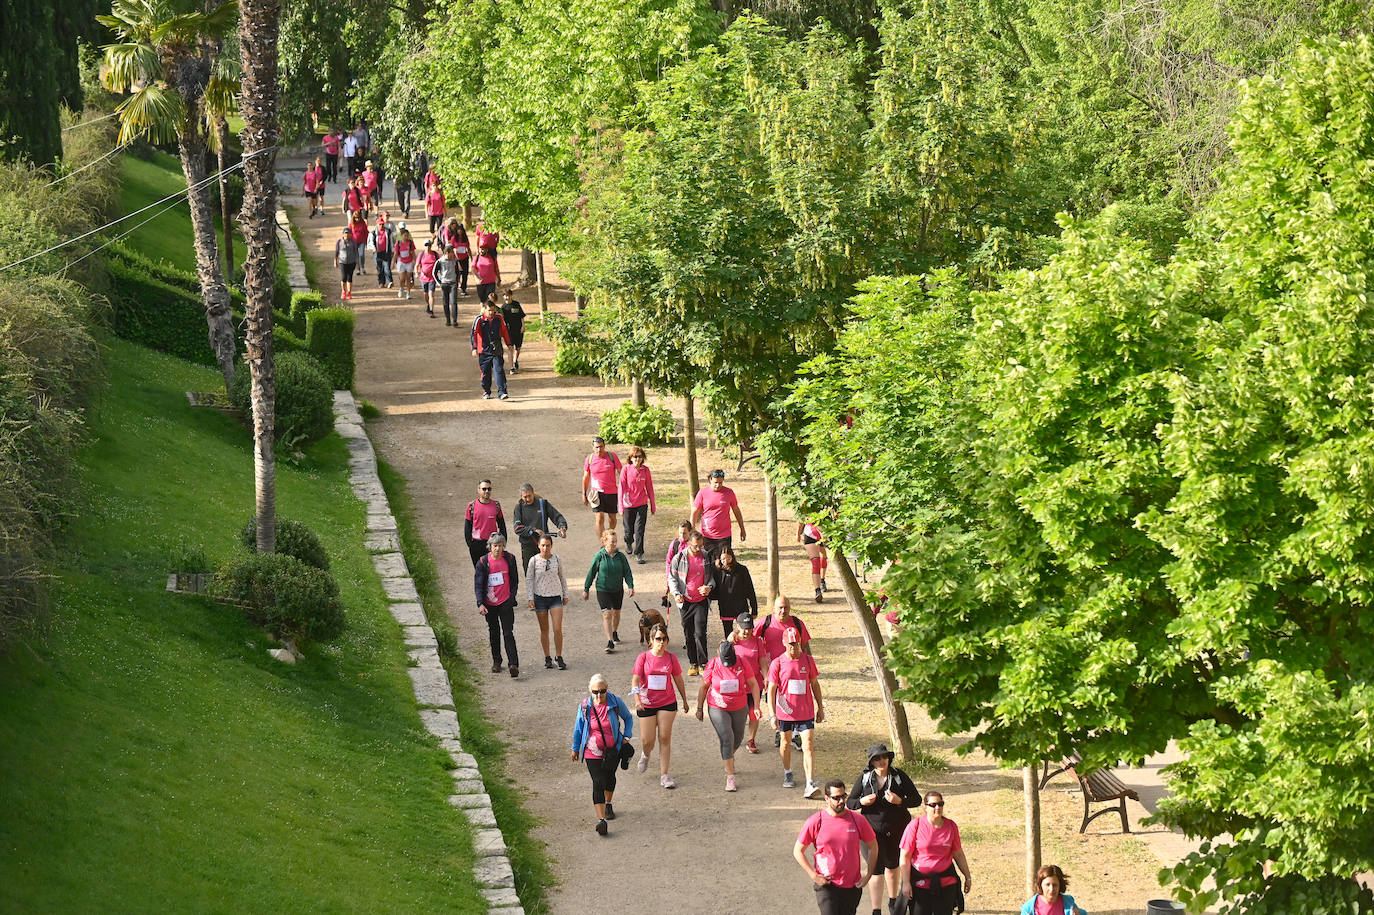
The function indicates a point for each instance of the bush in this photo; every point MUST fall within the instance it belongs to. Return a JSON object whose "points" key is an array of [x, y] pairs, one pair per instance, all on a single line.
{"points": [[302, 302], [329, 338], [631, 425], [294, 601], [293, 539], [157, 314], [305, 400], [573, 359], [281, 287], [283, 341]]}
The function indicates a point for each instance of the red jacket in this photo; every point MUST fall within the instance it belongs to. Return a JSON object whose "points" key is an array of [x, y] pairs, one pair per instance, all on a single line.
{"points": [[483, 330]]}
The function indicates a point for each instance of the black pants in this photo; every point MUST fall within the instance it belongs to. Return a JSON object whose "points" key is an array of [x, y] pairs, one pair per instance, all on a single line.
{"points": [[694, 614], [501, 627], [602, 772], [349, 166], [435, 222], [403, 199], [331, 166], [935, 900], [838, 900], [477, 549], [484, 290], [635, 520], [463, 274], [712, 547], [529, 548]]}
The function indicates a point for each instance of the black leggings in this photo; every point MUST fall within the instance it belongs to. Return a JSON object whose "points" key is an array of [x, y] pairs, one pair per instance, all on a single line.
{"points": [[602, 772], [694, 615], [636, 518]]}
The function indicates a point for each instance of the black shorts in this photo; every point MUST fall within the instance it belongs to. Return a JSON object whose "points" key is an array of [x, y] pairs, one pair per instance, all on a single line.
{"points": [[607, 502], [889, 849], [517, 337], [609, 600], [808, 539], [651, 712]]}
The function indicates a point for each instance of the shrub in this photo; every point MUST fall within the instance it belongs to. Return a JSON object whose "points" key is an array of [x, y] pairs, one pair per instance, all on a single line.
{"points": [[305, 400], [329, 338], [157, 314], [573, 359], [294, 601], [631, 425], [302, 302], [293, 539], [281, 287], [283, 341]]}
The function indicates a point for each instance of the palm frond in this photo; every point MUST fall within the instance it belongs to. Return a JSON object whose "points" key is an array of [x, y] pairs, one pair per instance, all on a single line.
{"points": [[223, 17], [153, 112], [129, 64], [222, 92], [182, 29]]}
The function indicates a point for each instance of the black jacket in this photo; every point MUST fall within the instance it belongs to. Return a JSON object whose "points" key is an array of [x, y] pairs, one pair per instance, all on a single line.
{"points": [[480, 573], [539, 516], [883, 815], [735, 591]]}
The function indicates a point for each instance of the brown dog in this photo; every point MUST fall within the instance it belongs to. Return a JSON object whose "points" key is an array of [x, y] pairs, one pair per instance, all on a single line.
{"points": [[648, 619]]}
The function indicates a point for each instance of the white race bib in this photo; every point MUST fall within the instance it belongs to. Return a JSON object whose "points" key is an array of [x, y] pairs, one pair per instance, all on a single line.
{"points": [[729, 686], [658, 682], [496, 579], [796, 687]]}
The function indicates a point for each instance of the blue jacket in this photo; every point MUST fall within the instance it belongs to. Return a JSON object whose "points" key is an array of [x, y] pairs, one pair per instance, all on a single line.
{"points": [[1069, 904], [619, 713]]}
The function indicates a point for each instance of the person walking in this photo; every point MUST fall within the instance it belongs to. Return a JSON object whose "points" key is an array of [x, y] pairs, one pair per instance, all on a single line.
{"points": [[351, 199], [774, 626], [603, 725], [636, 497], [496, 580], [749, 649], [844, 852], [883, 793], [487, 271], [346, 260], [691, 580], [488, 334], [331, 154], [435, 205], [711, 514], [429, 260], [406, 255], [548, 596], [809, 536], [455, 236], [734, 592], [446, 275], [311, 187], [401, 185], [350, 154], [610, 572], [534, 517], [382, 241], [482, 519], [514, 314], [1052, 897], [600, 475], [794, 698], [656, 672], [931, 847], [357, 225], [684, 533], [372, 185], [725, 683]]}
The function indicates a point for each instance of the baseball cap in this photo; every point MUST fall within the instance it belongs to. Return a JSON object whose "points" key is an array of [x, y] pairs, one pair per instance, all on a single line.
{"points": [[744, 621], [790, 635]]}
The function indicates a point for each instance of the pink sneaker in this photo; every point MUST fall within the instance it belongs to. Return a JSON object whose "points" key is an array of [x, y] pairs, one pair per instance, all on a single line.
{"points": [[730, 783]]}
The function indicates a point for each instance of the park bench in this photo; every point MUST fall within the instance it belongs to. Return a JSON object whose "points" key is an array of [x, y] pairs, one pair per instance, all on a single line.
{"points": [[1099, 787]]}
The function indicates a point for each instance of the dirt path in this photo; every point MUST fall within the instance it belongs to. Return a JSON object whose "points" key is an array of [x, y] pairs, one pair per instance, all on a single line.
{"points": [[709, 850]]}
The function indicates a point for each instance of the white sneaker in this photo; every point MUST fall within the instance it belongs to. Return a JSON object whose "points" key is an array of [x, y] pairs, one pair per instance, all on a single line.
{"points": [[787, 780], [730, 783], [667, 781], [812, 790], [400, 294], [643, 765]]}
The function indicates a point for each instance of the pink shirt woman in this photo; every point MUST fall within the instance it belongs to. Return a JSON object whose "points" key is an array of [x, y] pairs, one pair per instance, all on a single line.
{"points": [[656, 672]]}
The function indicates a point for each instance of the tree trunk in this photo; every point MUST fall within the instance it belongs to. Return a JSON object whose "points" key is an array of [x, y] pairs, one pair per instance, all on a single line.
{"points": [[191, 146], [543, 287], [226, 220], [689, 438], [637, 394], [467, 215], [529, 269], [1030, 783], [259, 25], [580, 301], [770, 527], [897, 725]]}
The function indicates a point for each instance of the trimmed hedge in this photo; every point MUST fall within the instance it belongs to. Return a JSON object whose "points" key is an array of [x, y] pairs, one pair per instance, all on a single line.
{"points": [[304, 302], [305, 400], [294, 601], [157, 314], [293, 539], [329, 338]]}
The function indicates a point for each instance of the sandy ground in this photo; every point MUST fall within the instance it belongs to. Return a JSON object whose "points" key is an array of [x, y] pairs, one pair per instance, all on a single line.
{"points": [[712, 851]]}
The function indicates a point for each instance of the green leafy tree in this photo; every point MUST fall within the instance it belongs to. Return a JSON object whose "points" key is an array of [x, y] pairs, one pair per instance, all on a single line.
{"points": [[30, 62]]}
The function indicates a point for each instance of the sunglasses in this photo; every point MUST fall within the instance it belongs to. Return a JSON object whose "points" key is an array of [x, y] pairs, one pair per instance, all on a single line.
{"points": [[935, 803], [485, 489], [837, 797], [598, 692], [660, 638]]}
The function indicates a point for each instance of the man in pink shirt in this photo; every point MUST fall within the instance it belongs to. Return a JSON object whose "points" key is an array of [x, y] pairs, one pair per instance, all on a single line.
{"points": [[482, 519], [794, 696], [600, 472], [691, 579], [846, 849], [711, 515]]}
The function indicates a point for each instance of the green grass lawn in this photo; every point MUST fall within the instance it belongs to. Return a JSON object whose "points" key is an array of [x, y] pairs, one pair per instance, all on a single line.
{"points": [[152, 756], [168, 236]]}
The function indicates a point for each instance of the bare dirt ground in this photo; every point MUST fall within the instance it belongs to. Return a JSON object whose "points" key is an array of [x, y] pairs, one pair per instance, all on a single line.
{"points": [[696, 846]]}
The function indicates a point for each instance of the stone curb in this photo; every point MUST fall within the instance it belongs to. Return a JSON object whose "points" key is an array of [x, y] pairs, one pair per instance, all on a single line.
{"points": [[429, 680]]}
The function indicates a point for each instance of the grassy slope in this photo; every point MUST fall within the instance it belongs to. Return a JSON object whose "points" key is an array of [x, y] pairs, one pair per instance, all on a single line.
{"points": [[151, 755], [166, 237]]}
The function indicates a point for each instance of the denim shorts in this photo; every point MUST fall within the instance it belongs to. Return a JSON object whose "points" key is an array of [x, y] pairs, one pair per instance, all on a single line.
{"points": [[428, 286], [545, 604], [798, 726]]}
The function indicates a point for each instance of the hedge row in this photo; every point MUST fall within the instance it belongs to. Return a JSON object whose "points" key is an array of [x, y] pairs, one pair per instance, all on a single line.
{"points": [[329, 338]]}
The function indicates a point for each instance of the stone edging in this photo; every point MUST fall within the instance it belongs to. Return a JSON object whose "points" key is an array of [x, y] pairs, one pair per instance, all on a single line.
{"points": [[295, 266], [433, 692]]}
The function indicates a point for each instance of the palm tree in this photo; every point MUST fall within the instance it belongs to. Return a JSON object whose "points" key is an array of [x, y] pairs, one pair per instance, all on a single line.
{"points": [[164, 58], [258, 32]]}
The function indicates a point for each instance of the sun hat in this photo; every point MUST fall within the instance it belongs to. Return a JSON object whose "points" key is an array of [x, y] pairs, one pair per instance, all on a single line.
{"points": [[879, 749]]}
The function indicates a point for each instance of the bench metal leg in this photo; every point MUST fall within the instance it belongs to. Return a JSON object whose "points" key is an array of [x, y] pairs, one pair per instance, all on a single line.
{"points": [[1125, 820], [1088, 818]]}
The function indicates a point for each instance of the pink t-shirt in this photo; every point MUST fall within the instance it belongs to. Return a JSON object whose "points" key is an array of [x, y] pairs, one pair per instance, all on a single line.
{"points": [[728, 685], [370, 179], [656, 675], [483, 516], [750, 652], [498, 579], [599, 732], [405, 252], [1044, 907], [636, 487], [434, 203], [331, 144], [696, 575], [603, 469], [312, 181], [837, 839], [487, 239], [427, 261], [932, 848], [485, 268], [810, 530], [715, 511], [792, 677], [772, 634]]}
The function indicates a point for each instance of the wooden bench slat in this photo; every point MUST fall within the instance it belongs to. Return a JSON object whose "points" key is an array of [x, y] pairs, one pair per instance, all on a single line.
{"points": [[1103, 787]]}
